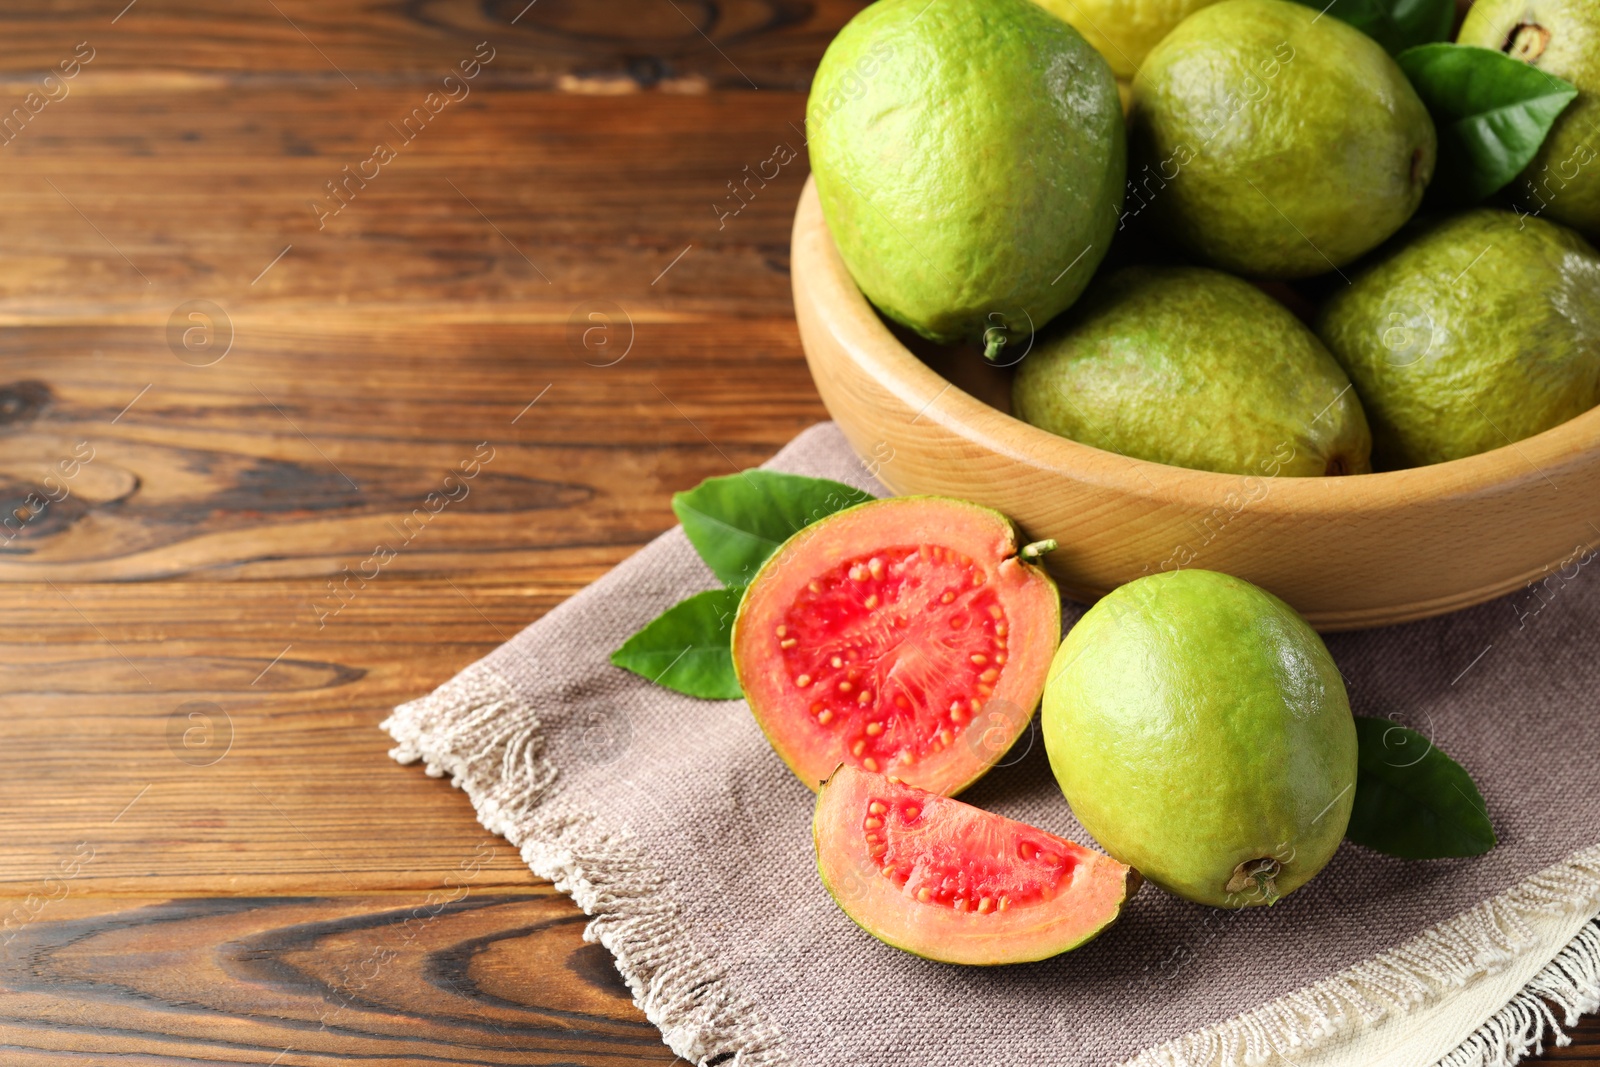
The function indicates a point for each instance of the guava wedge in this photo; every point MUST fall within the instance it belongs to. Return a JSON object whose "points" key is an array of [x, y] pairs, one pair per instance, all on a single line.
{"points": [[906, 636], [949, 882]]}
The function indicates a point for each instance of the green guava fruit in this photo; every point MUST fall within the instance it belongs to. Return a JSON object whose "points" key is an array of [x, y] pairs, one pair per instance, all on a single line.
{"points": [[906, 636], [1196, 368], [969, 156], [1123, 31], [1272, 142], [950, 882], [1201, 733], [1561, 37], [1483, 330]]}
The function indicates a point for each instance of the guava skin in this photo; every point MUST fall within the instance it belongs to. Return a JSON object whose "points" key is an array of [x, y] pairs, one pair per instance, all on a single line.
{"points": [[1481, 331], [1199, 728], [1123, 31], [1562, 183], [1274, 143], [1195, 368], [969, 156]]}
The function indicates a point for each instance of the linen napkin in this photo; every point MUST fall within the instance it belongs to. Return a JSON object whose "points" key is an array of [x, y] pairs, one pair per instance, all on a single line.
{"points": [[673, 825]]}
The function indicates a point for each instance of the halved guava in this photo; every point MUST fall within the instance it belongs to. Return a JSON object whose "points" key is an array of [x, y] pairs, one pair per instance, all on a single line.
{"points": [[950, 882], [905, 636]]}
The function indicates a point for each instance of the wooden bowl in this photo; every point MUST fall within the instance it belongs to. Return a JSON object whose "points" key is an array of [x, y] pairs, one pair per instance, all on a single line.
{"points": [[1348, 552]]}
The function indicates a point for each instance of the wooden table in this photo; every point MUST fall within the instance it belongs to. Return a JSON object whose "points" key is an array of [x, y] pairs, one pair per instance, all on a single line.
{"points": [[224, 380]]}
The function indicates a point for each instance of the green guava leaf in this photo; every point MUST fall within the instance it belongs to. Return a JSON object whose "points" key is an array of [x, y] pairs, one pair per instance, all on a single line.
{"points": [[1394, 24], [688, 647], [736, 522], [1491, 112], [1413, 801]]}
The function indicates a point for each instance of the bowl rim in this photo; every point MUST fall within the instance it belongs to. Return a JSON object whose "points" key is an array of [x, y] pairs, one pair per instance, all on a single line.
{"points": [[855, 323]]}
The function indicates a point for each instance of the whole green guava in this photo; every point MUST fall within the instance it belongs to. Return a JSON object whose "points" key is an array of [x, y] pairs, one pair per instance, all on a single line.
{"points": [[1481, 331], [969, 155], [1561, 37], [1123, 31], [1195, 368], [1201, 733], [1272, 142]]}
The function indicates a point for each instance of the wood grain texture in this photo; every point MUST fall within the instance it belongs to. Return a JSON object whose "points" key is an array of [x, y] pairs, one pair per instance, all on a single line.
{"points": [[512, 205], [209, 739], [205, 855], [464, 975], [285, 459], [594, 46]]}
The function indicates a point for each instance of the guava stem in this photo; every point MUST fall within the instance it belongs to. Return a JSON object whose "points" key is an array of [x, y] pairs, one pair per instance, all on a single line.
{"points": [[994, 339], [1259, 875], [1033, 551], [1527, 42]]}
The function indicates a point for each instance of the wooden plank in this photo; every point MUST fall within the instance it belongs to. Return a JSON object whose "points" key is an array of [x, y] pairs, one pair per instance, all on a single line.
{"points": [[123, 204], [470, 974], [176, 732], [1584, 1047], [304, 449], [596, 46]]}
